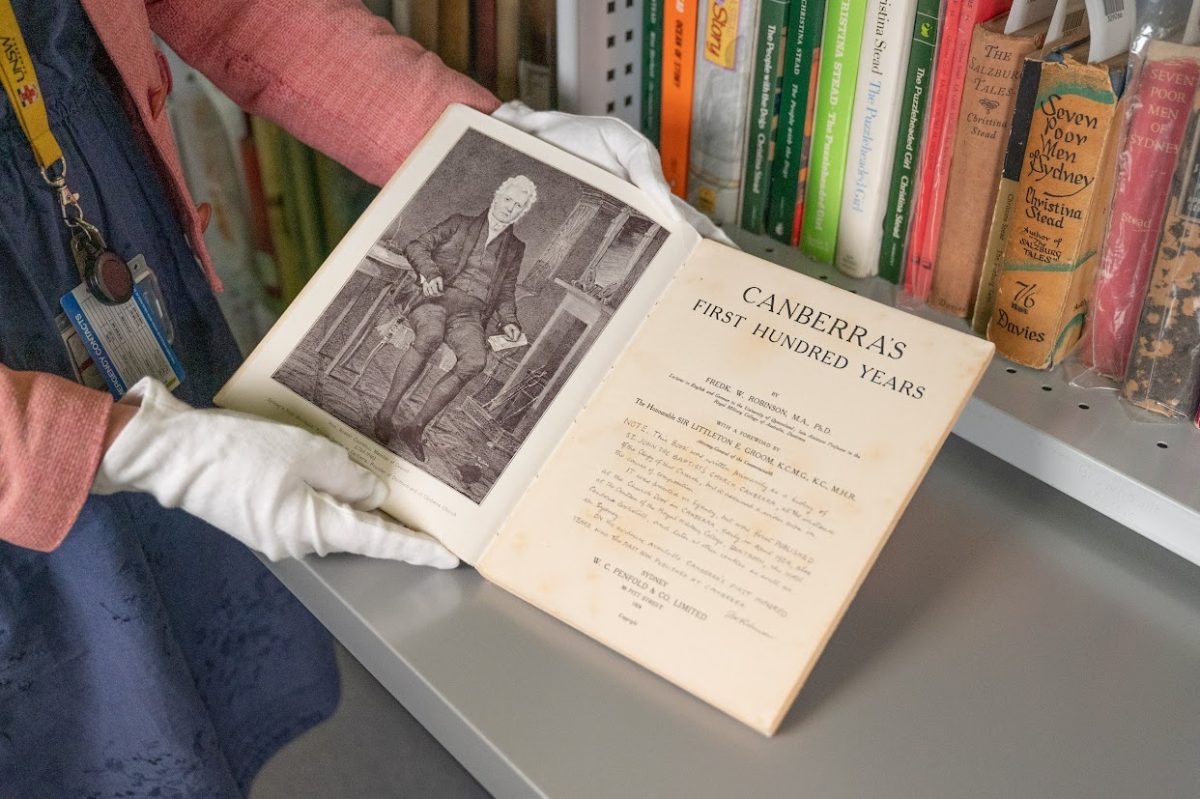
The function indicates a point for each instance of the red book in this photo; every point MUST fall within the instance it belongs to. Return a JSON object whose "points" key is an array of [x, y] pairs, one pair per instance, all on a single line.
{"points": [[1160, 103], [950, 72]]}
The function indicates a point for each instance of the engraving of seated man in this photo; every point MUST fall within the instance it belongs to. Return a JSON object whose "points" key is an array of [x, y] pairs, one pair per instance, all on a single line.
{"points": [[467, 268]]}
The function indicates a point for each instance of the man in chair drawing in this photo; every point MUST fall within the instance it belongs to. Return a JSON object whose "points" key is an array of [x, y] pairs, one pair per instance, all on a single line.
{"points": [[467, 270]]}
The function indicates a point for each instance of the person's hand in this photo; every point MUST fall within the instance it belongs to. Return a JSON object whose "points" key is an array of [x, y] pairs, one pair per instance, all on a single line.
{"points": [[432, 288], [512, 332], [276, 488], [614, 146]]}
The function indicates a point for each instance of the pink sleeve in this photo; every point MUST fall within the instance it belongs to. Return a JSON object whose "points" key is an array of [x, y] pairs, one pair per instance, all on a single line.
{"points": [[51, 440], [329, 71]]}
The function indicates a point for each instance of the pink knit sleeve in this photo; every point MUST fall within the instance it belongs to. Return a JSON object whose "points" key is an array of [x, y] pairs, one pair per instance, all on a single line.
{"points": [[51, 440], [329, 71]]}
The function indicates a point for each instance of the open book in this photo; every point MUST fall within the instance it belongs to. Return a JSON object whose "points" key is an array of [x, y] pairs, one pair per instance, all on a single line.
{"points": [[688, 453]]}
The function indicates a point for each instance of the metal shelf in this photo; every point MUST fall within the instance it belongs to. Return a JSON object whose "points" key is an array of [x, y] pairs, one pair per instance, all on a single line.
{"points": [[1083, 442]]}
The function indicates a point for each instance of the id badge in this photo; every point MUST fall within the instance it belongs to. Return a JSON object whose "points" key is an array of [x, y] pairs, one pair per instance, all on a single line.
{"points": [[126, 342]]}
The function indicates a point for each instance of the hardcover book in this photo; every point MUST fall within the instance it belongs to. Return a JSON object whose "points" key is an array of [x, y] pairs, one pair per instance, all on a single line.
{"points": [[689, 454], [841, 43], [652, 62], [873, 125], [763, 114], [1164, 364], [1061, 205], [726, 42], [679, 73], [993, 72], [953, 54], [910, 136], [1014, 159], [789, 170], [1160, 102], [760, 136]]}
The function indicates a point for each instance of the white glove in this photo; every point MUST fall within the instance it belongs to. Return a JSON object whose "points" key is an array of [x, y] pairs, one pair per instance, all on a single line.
{"points": [[614, 146], [276, 488]]}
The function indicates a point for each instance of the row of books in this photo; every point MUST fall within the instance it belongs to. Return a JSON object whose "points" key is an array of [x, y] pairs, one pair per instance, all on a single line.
{"points": [[506, 45], [964, 149]]}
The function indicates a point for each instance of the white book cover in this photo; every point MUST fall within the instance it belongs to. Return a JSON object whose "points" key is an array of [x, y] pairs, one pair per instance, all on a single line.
{"points": [[726, 37], [887, 37]]}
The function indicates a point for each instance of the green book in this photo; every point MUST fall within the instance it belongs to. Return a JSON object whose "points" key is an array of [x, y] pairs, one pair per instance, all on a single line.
{"points": [[914, 101], [841, 42], [801, 56], [652, 59], [764, 89]]}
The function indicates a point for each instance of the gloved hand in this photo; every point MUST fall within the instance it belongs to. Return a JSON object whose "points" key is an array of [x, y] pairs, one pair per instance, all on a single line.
{"points": [[613, 146], [276, 488]]}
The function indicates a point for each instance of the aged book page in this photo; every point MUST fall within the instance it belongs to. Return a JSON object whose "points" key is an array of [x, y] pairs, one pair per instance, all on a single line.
{"points": [[453, 335], [715, 507]]}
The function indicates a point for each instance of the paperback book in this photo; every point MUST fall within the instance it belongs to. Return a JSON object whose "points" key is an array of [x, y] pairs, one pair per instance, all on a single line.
{"points": [[689, 454]]}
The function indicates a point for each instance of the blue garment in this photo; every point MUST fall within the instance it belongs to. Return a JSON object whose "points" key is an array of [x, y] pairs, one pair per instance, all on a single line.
{"points": [[150, 654]]}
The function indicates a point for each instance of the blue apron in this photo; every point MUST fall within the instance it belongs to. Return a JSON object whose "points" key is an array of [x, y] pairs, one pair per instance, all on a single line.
{"points": [[150, 654]]}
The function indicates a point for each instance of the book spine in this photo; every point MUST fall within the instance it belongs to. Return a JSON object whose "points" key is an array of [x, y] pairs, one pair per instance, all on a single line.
{"points": [[814, 74], [1006, 196], [927, 219], [454, 34], [772, 24], [678, 76], [483, 33], [993, 73], [1159, 110], [841, 43], [1164, 365], [424, 20], [873, 126], [1050, 254], [652, 61], [802, 46], [508, 48], [914, 101], [536, 63], [720, 107]]}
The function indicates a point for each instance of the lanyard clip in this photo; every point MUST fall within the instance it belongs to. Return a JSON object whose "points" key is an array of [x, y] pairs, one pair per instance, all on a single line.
{"points": [[55, 176]]}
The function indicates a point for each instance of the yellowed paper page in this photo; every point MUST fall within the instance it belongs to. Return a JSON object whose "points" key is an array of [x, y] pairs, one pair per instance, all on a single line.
{"points": [[714, 509], [452, 336]]}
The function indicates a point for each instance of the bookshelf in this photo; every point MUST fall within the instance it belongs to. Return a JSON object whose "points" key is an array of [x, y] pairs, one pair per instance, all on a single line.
{"points": [[1082, 442]]}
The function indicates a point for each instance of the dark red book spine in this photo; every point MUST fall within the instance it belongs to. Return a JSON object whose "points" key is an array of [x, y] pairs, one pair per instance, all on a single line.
{"points": [[484, 32]]}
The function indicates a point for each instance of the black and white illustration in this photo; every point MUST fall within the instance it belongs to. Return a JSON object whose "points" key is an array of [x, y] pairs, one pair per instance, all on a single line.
{"points": [[470, 312]]}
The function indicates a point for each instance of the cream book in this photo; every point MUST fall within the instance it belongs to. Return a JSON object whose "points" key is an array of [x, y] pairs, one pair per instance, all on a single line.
{"points": [[694, 456]]}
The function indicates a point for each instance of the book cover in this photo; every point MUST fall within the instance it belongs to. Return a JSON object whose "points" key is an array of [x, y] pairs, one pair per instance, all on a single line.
{"points": [[1164, 364], [1163, 94], [949, 77], [680, 39], [658, 471], [993, 73], [764, 87], [873, 126], [914, 100], [1061, 204], [652, 61], [726, 39], [841, 44], [789, 170]]}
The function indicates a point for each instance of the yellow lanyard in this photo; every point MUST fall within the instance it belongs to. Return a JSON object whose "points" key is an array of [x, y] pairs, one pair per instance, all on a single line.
{"points": [[24, 93]]}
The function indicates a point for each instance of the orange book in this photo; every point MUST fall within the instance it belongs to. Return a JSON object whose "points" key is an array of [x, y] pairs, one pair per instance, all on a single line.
{"points": [[678, 75]]}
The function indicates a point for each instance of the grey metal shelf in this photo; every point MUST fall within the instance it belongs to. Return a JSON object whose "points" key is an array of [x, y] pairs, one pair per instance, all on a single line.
{"points": [[1083, 442]]}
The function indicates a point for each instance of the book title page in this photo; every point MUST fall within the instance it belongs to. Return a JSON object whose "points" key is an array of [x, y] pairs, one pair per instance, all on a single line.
{"points": [[714, 508]]}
